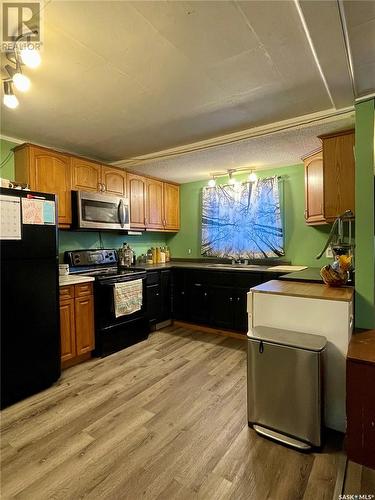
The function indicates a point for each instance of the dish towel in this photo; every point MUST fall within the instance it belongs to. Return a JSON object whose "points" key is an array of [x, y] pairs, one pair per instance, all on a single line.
{"points": [[127, 297]]}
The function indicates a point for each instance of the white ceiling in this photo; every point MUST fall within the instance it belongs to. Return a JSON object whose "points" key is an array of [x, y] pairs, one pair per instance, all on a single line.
{"points": [[123, 79]]}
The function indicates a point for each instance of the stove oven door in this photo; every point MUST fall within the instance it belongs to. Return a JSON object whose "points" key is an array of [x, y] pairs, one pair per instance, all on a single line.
{"points": [[113, 334]]}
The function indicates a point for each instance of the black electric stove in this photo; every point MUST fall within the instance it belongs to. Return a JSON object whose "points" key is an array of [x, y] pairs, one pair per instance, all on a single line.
{"points": [[111, 334]]}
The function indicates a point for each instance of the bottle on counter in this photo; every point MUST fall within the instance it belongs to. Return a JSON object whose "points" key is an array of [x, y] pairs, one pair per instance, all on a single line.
{"points": [[158, 257], [162, 255], [150, 259], [153, 251], [167, 254]]}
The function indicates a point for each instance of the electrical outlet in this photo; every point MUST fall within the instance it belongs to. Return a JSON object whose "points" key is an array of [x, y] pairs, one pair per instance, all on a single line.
{"points": [[189, 251], [329, 253]]}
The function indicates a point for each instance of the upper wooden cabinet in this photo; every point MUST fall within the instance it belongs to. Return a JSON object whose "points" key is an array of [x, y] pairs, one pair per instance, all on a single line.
{"points": [[171, 197], [86, 175], [137, 200], [113, 180], [46, 171], [330, 178], [91, 176], [154, 204]]}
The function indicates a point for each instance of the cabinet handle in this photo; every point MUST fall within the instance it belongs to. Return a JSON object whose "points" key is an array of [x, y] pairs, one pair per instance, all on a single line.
{"points": [[99, 186], [230, 299], [103, 187], [182, 293], [238, 299], [197, 284], [205, 294], [145, 221], [157, 294]]}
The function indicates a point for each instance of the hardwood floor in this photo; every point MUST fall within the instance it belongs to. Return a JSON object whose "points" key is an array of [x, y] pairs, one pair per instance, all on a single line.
{"points": [[164, 419]]}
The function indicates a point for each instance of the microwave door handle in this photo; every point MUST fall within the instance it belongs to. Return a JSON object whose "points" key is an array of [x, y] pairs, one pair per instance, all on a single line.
{"points": [[121, 213]]}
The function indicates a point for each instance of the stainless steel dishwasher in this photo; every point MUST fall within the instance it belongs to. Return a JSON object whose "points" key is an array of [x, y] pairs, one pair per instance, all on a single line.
{"points": [[284, 385]]}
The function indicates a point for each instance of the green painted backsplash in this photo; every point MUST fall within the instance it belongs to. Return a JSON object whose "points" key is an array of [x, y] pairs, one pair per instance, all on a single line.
{"points": [[302, 242], [7, 170], [77, 240]]}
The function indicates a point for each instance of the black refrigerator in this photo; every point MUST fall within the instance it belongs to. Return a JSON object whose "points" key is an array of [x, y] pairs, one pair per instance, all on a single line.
{"points": [[30, 324]]}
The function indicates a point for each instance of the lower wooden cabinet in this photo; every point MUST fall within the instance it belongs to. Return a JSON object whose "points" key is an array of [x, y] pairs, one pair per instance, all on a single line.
{"points": [[77, 332]]}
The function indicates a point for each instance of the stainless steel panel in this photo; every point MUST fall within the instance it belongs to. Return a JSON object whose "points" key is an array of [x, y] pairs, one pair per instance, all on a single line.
{"points": [[284, 390]]}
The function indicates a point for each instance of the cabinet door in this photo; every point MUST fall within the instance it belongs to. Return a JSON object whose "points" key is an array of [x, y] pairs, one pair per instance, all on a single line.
{"points": [[50, 173], [240, 310], [67, 329], [166, 299], [199, 303], [339, 174], [179, 295], [113, 181], [222, 302], [84, 324], [154, 204], [314, 195], [153, 303], [171, 196], [137, 200], [86, 175]]}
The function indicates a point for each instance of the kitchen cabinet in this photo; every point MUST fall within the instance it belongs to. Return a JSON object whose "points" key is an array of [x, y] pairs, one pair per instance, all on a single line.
{"points": [[171, 200], [158, 296], [46, 171], [76, 323], [91, 176], [154, 204], [330, 178], [137, 200], [213, 298], [360, 402]]}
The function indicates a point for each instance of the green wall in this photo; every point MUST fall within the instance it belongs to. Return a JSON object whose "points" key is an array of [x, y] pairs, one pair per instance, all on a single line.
{"points": [[74, 240], [364, 207], [7, 170], [302, 242]]}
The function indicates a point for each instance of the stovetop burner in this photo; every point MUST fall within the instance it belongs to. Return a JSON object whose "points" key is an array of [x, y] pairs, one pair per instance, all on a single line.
{"points": [[109, 272]]}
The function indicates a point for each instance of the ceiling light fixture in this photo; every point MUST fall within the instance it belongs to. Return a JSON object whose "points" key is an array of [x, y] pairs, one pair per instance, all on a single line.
{"points": [[10, 100], [231, 181], [21, 81], [30, 57], [212, 182], [252, 176]]}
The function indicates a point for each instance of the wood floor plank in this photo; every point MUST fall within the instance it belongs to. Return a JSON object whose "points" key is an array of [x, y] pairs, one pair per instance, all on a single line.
{"points": [[164, 419]]}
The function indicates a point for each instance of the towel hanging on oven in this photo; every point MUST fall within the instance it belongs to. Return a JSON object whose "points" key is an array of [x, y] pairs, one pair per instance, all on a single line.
{"points": [[127, 297]]}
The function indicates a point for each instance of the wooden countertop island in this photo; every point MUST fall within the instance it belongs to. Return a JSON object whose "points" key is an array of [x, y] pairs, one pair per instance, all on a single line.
{"points": [[307, 290]]}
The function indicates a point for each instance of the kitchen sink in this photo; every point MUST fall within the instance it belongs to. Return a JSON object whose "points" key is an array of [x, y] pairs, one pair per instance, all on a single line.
{"points": [[238, 266]]}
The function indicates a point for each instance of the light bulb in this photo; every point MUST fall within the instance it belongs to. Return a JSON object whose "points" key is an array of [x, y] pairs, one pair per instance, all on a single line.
{"points": [[10, 101], [252, 177], [30, 57], [21, 82], [211, 183]]}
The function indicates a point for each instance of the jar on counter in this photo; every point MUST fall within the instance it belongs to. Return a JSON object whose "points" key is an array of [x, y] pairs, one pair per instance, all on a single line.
{"points": [[150, 259]]}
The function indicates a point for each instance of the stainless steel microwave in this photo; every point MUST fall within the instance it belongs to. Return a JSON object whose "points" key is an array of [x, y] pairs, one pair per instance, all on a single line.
{"points": [[101, 211]]}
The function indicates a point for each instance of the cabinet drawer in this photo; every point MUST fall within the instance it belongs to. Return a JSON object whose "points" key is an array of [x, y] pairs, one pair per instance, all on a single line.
{"points": [[83, 290], [66, 292], [152, 277]]}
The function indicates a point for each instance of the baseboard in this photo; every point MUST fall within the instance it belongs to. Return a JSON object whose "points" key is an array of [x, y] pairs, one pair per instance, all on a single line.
{"points": [[208, 329]]}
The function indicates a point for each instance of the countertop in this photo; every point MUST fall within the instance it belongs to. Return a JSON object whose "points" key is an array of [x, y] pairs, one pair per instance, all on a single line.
{"points": [[306, 290], [72, 279], [362, 347], [211, 267], [311, 274]]}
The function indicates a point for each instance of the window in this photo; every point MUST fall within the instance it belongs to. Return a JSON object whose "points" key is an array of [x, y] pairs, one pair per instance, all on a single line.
{"points": [[242, 221]]}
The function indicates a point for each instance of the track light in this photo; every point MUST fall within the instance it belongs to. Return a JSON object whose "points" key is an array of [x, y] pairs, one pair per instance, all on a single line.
{"points": [[10, 100], [252, 176], [21, 81], [212, 182], [231, 181], [30, 57]]}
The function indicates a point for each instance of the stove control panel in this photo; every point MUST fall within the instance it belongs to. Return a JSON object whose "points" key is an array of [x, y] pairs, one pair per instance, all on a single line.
{"points": [[86, 258]]}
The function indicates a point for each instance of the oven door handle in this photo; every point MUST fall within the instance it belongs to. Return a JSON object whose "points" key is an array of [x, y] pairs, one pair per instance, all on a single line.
{"points": [[121, 213]]}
